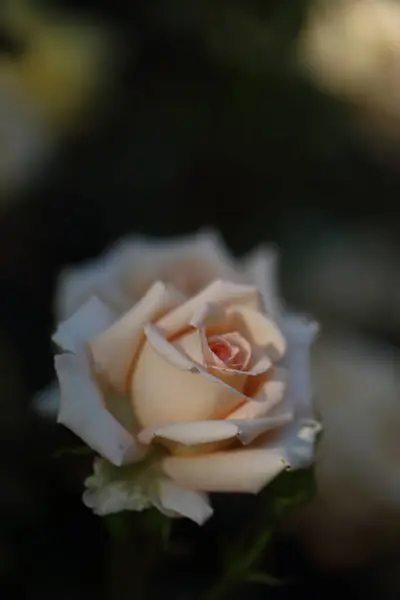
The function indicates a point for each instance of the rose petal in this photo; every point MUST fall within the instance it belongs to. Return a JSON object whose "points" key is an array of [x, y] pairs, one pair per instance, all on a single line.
{"points": [[184, 503], [219, 292], [113, 350], [270, 395], [296, 443], [261, 266], [249, 430], [299, 333], [200, 432], [245, 470], [188, 263], [92, 318], [83, 411], [258, 330], [163, 392], [102, 277], [173, 352]]}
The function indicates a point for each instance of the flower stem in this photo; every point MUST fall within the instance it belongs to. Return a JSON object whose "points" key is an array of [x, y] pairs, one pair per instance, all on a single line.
{"points": [[239, 570]]}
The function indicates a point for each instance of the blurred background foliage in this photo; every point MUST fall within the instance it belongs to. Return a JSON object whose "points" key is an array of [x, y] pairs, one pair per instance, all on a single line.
{"points": [[160, 117]]}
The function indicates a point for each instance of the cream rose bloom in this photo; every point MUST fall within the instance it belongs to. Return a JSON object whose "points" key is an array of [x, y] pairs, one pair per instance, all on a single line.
{"points": [[181, 371]]}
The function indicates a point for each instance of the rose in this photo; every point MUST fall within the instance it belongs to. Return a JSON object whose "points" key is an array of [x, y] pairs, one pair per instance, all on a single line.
{"points": [[215, 385]]}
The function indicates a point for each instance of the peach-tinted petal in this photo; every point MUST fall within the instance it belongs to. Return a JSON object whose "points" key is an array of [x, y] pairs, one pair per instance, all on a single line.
{"points": [[270, 395], [300, 334], [219, 292], [229, 350], [244, 470], [179, 354], [82, 410], [259, 330], [199, 432], [208, 315], [113, 350], [178, 502], [89, 320], [164, 392], [261, 266]]}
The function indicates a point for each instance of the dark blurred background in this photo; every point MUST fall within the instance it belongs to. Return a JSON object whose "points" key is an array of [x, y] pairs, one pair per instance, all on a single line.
{"points": [[160, 117]]}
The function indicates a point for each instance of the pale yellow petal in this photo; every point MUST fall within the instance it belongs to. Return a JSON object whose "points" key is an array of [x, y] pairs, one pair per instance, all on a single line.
{"points": [[244, 470], [113, 350]]}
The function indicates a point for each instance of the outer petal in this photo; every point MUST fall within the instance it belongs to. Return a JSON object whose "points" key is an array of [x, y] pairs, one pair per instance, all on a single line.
{"points": [[114, 350], [299, 333], [104, 277], [261, 267], [246, 470], [296, 444], [176, 501], [82, 410], [167, 386], [188, 263], [89, 320], [218, 292], [250, 430], [206, 436]]}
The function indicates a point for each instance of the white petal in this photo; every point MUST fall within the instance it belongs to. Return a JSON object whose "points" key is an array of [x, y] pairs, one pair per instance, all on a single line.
{"points": [[261, 266], [82, 410], [89, 320], [299, 333], [184, 503], [104, 277], [296, 443], [47, 402], [189, 263], [249, 430]]}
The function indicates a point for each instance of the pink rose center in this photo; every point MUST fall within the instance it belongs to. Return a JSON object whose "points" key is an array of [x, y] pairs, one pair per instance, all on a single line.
{"points": [[229, 351]]}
